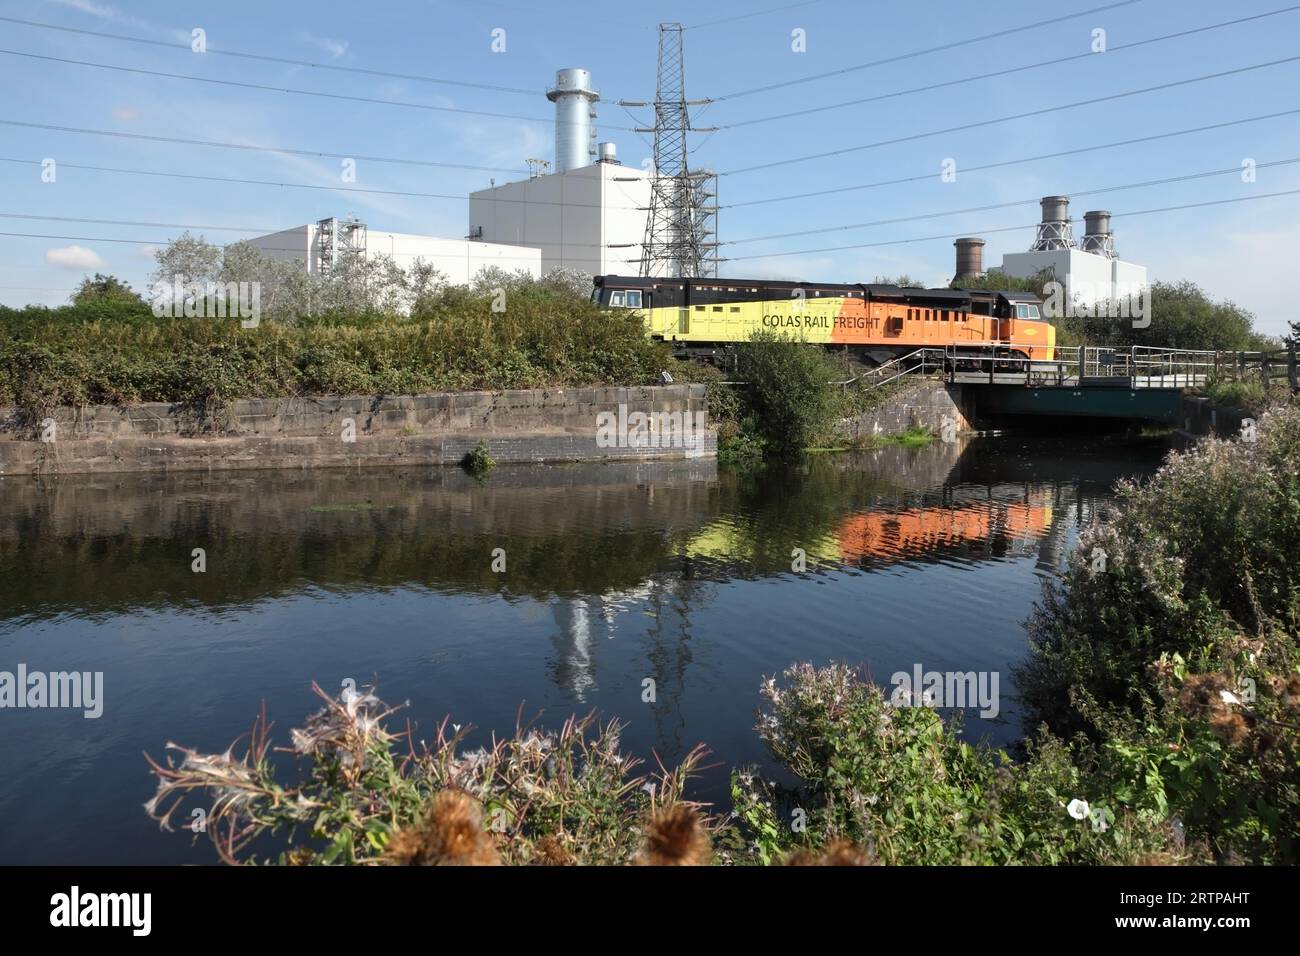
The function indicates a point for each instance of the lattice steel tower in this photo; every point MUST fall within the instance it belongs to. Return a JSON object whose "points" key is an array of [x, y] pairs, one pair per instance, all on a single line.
{"points": [[681, 225]]}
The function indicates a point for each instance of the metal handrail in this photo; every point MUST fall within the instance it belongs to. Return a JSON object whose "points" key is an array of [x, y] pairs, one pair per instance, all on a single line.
{"points": [[1138, 366]]}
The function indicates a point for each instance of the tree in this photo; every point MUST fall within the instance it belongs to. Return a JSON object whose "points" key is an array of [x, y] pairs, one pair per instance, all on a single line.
{"points": [[1181, 316], [187, 268], [104, 289], [287, 292]]}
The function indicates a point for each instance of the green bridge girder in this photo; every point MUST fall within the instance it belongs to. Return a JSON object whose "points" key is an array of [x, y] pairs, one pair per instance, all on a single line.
{"points": [[1163, 405]]}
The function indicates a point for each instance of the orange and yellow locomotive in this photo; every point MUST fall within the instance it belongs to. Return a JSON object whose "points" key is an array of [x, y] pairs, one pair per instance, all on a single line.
{"points": [[879, 322]]}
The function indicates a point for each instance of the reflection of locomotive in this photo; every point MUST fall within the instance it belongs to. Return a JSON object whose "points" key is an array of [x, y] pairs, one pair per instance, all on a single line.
{"points": [[1001, 521], [915, 533], [878, 322]]}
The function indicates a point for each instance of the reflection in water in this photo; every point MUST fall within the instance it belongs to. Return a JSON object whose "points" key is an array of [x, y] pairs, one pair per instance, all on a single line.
{"points": [[617, 575]]}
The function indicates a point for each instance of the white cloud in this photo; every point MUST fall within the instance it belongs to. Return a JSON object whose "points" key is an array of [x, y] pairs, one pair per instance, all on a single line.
{"points": [[73, 257], [110, 13], [335, 48], [85, 6]]}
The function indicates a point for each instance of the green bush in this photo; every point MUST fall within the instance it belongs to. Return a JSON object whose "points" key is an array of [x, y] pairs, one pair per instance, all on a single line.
{"points": [[1168, 651], [898, 780], [790, 396], [546, 337]]}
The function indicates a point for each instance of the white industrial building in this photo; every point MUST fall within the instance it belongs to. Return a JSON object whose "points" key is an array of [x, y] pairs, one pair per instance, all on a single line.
{"points": [[1091, 271], [319, 244], [591, 219], [587, 216]]}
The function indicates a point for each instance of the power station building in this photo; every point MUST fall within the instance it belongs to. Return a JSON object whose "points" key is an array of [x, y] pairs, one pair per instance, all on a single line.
{"points": [[589, 213], [1090, 271], [318, 245]]}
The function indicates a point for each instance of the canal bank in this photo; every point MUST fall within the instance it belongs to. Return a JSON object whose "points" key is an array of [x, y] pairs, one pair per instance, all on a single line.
{"points": [[515, 425]]}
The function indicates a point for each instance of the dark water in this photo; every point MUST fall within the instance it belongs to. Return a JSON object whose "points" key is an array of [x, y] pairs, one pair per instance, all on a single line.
{"points": [[614, 573]]}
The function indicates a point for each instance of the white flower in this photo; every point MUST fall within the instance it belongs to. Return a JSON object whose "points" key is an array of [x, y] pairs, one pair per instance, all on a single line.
{"points": [[1078, 809]]}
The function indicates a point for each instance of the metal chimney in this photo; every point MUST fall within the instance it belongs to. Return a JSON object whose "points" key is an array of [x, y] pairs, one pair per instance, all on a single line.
{"points": [[575, 108], [970, 258], [1054, 232], [608, 153], [1097, 237]]}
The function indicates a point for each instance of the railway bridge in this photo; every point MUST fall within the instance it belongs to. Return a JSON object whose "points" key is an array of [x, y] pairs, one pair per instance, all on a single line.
{"points": [[1141, 382]]}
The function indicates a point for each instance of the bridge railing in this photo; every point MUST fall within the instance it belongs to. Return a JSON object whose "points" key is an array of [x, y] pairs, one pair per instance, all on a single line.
{"points": [[917, 362], [1138, 366]]}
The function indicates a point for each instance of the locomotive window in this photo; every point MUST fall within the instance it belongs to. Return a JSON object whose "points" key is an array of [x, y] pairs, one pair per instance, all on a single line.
{"points": [[717, 308], [1034, 313], [616, 298], [634, 298], [699, 308], [735, 308]]}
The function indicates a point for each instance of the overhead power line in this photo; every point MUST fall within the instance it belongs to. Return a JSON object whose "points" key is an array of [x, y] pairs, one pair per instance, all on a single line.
{"points": [[1053, 62], [983, 232], [371, 100], [770, 255], [1072, 193], [929, 176], [257, 230], [257, 149], [748, 16], [1014, 116], [162, 242], [458, 197], [334, 67], [926, 52]]}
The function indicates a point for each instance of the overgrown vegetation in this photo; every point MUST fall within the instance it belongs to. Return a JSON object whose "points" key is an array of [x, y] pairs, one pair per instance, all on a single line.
{"points": [[544, 337], [371, 794], [1168, 652], [1249, 395], [790, 397], [479, 461]]}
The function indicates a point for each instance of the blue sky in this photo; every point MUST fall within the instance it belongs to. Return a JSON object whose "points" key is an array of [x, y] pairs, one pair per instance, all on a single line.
{"points": [[1245, 251]]}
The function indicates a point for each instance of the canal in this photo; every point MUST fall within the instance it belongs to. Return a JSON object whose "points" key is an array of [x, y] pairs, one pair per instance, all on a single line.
{"points": [[677, 573]]}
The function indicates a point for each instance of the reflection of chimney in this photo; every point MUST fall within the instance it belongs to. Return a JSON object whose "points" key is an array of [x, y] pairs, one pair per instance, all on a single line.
{"points": [[970, 258], [1097, 237], [1054, 231]]}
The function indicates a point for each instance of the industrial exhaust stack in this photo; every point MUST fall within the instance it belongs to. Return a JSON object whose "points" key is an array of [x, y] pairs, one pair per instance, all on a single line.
{"points": [[970, 258], [575, 109], [1097, 237], [1054, 232]]}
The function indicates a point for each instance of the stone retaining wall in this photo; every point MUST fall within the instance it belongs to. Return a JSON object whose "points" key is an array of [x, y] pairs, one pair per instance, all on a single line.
{"points": [[517, 425], [923, 405]]}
